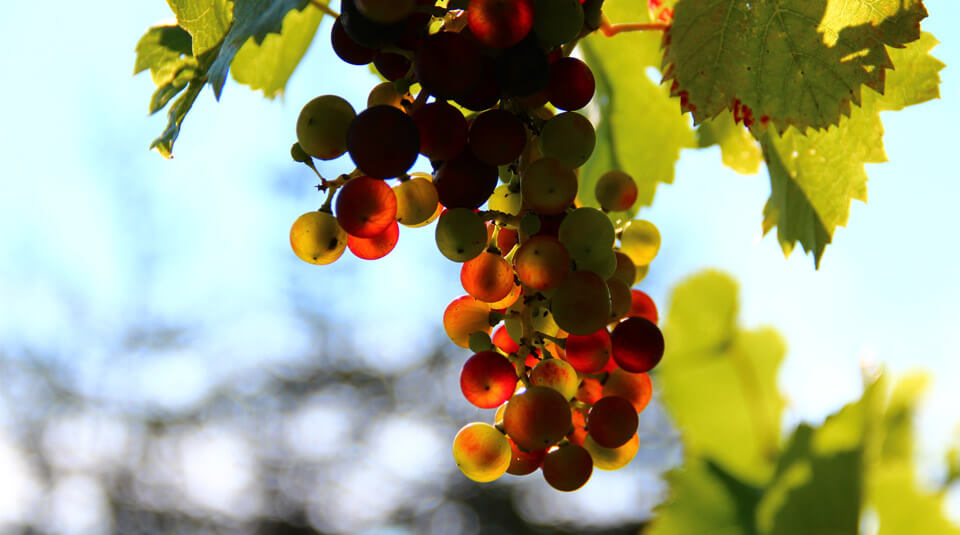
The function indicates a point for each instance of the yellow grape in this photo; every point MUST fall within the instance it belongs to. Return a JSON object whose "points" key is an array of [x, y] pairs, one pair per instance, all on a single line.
{"points": [[556, 374], [465, 316], [417, 201], [461, 234], [481, 452], [506, 201], [568, 137], [322, 126], [385, 94], [625, 271], [640, 241], [612, 458], [316, 237]]}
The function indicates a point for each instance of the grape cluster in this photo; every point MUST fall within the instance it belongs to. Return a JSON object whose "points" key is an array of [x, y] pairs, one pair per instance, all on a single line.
{"points": [[496, 94]]}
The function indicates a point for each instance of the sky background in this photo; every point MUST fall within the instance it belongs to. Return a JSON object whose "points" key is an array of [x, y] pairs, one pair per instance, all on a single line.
{"points": [[101, 237]]}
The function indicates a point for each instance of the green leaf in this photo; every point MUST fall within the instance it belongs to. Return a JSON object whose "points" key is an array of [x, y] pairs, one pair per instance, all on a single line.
{"points": [[251, 19], [175, 115], [797, 63], [705, 498], [206, 20], [814, 177], [640, 129], [268, 65], [719, 381], [739, 150], [163, 50]]}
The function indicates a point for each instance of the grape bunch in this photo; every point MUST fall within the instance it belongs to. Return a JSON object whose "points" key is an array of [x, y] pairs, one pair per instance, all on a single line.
{"points": [[495, 113]]}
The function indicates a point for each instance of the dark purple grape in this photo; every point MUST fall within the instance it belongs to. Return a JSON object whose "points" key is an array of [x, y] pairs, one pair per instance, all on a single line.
{"points": [[391, 66], [347, 49], [443, 131], [497, 137], [571, 84], [383, 142], [523, 69], [448, 64], [486, 92], [366, 32], [465, 181]]}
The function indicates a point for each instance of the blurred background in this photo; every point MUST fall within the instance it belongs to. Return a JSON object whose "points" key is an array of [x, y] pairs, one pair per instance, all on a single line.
{"points": [[168, 365]]}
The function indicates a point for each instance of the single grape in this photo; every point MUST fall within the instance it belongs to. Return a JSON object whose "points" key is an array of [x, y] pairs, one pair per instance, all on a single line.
{"points": [[587, 233], [616, 191], [506, 201], [480, 341], [637, 345], [437, 211], [365, 31], [568, 137], [503, 341], [377, 246], [542, 263], [604, 264], [417, 201], [391, 66], [581, 304], [640, 241], [625, 271], [383, 142], [537, 419], [524, 462], [497, 137], [641, 305], [612, 421], [487, 277], [567, 468], [385, 94], [299, 155], [571, 84], [589, 392], [465, 316], [620, 299], [365, 207], [317, 238], [556, 374], [548, 186], [461, 234], [507, 238], [509, 300], [612, 458], [448, 64], [386, 11], [633, 387], [322, 126], [443, 131], [523, 69], [557, 21], [465, 181], [347, 49], [488, 379], [500, 23], [485, 93], [481, 452], [588, 353]]}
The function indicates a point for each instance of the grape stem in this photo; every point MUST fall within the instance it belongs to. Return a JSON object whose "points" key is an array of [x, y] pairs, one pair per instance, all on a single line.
{"points": [[332, 186], [501, 218], [561, 342], [322, 6], [609, 29]]}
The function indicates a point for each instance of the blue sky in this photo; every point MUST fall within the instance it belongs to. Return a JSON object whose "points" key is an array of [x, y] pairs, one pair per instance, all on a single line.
{"points": [[100, 236]]}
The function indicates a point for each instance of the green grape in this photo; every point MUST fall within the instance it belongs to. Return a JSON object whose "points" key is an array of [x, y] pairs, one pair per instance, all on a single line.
{"points": [[616, 191], [479, 342], [296, 152], [625, 272], [317, 238], [640, 241], [557, 21], [612, 458], [322, 126], [461, 234], [581, 304], [556, 374], [481, 452], [506, 201], [529, 225], [568, 137], [548, 186], [417, 201], [588, 235], [604, 265]]}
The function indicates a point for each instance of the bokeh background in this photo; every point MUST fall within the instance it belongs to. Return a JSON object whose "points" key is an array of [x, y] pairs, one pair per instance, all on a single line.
{"points": [[168, 365]]}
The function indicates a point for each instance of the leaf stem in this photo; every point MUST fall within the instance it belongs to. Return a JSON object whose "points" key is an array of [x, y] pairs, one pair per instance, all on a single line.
{"points": [[609, 29]]}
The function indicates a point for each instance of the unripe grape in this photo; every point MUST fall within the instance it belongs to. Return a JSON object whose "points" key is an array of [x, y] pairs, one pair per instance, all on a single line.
{"points": [[581, 304], [556, 374], [417, 201], [322, 126], [637, 345], [385, 94], [299, 155], [548, 186], [633, 387], [508, 202], [377, 246], [587, 234], [461, 234], [480, 342], [567, 468], [616, 191], [612, 458], [612, 421], [568, 137], [557, 21], [487, 277], [488, 379], [481, 452], [365, 207], [640, 241], [538, 418], [542, 263], [588, 353], [524, 462], [317, 238], [603, 264], [642, 306], [500, 23], [465, 316]]}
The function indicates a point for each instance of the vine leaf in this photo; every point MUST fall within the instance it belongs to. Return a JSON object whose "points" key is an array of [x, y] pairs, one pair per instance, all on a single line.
{"points": [[207, 21], [167, 52], [640, 128], [738, 148], [814, 177], [799, 63], [739, 428]]}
